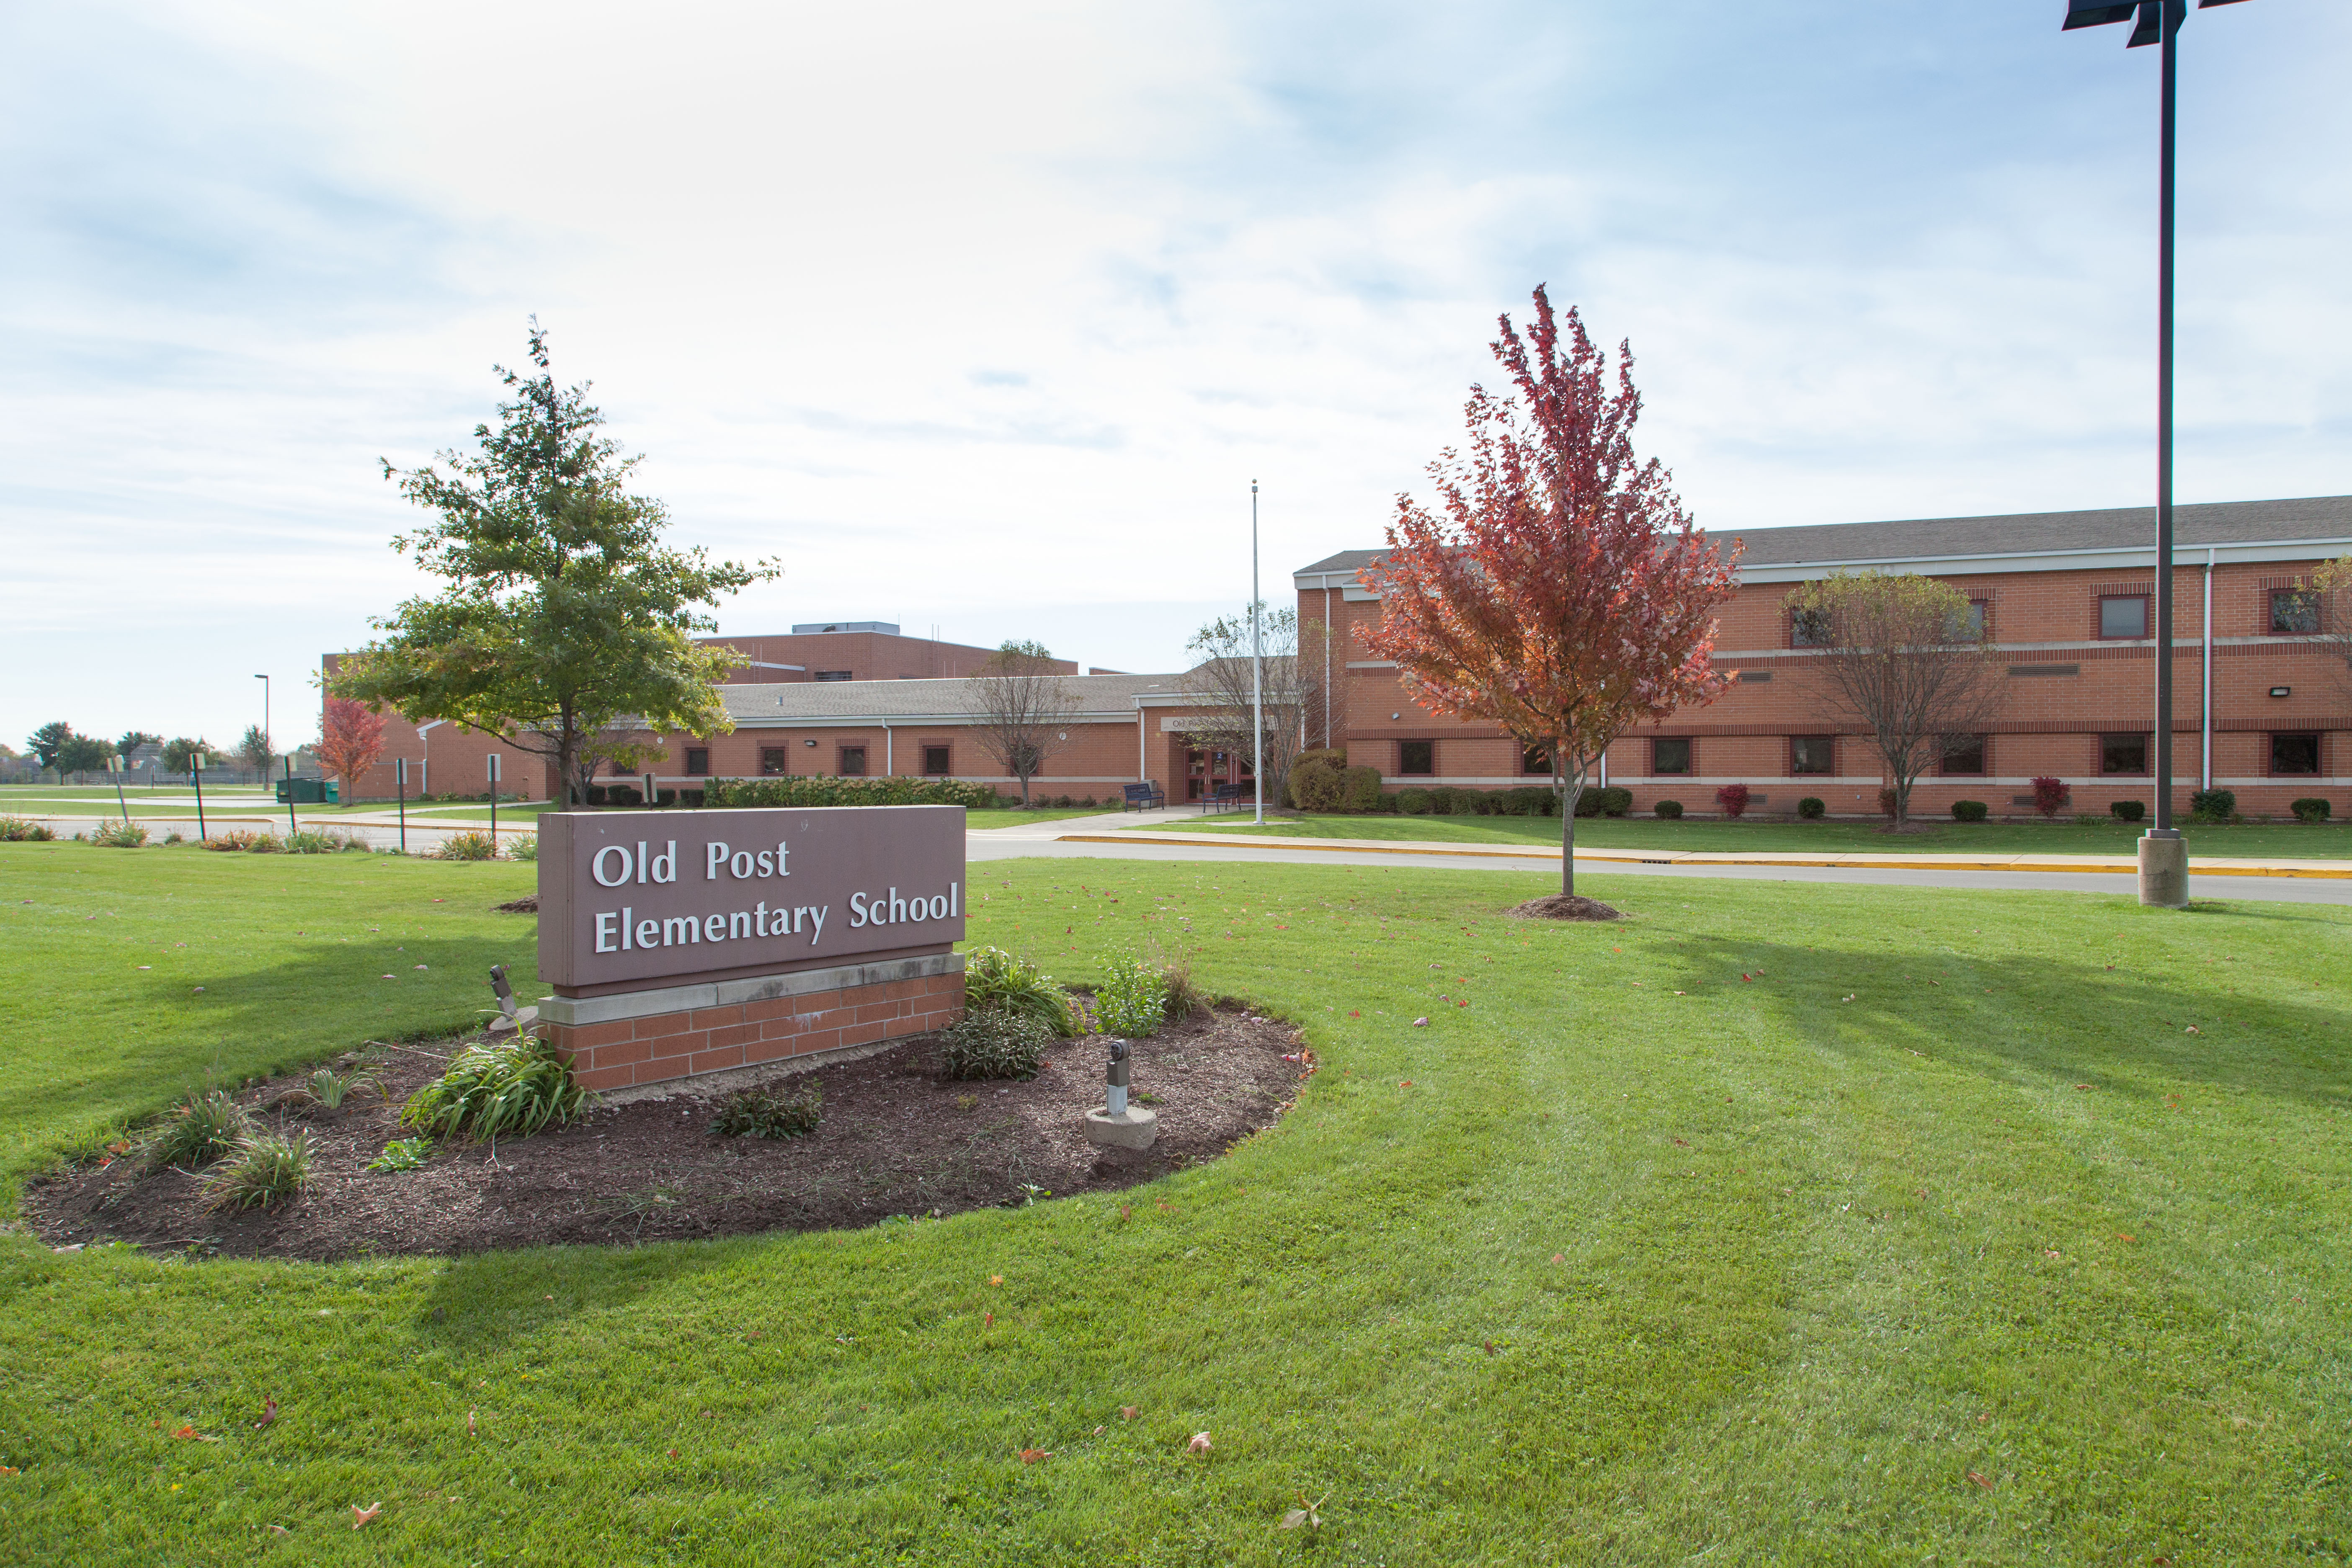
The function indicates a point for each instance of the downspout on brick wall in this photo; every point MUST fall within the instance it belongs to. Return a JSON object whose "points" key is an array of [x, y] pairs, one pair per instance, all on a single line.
{"points": [[2205, 707]]}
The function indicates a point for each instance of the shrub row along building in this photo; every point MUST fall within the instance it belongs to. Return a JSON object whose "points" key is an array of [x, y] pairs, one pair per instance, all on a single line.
{"points": [[2263, 704]]}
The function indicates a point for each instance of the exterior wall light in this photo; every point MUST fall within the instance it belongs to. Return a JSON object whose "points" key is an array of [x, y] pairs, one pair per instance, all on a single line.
{"points": [[2282, 690]]}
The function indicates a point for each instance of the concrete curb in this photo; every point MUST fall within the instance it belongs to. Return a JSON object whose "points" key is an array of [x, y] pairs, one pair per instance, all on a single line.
{"points": [[2207, 868]]}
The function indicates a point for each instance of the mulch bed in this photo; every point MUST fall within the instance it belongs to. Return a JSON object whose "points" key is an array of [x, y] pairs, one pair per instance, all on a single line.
{"points": [[895, 1139], [1565, 906]]}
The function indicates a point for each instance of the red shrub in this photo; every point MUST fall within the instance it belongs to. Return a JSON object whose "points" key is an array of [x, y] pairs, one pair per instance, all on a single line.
{"points": [[1886, 803], [1733, 798], [2049, 796]]}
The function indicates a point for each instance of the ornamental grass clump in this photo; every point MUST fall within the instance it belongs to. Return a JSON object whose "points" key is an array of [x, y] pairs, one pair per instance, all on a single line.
{"points": [[261, 1172], [507, 1089], [771, 1112], [251, 842], [118, 835], [318, 841], [24, 830], [994, 978], [467, 846], [198, 1132], [994, 1042], [1132, 1001]]}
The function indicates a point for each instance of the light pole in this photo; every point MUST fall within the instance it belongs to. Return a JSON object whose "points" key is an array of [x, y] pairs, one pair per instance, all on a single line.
{"points": [[2163, 854], [1257, 670], [265, 721]]}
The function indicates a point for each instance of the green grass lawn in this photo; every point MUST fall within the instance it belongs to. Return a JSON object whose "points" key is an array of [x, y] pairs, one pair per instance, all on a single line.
{"points": [[2289, 840], [1941, 1238]]}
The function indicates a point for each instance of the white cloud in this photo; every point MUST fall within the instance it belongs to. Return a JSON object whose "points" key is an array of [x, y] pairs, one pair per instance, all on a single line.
{"points": [[975, 314]]}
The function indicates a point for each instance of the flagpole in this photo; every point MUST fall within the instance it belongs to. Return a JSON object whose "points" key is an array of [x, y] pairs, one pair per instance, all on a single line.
{"points": [[1258, 668]]}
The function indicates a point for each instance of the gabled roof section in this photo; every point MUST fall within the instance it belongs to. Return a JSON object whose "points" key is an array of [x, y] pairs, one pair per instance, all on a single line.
{"points": [[870, 701], [2320, 520], [2316, 518]]}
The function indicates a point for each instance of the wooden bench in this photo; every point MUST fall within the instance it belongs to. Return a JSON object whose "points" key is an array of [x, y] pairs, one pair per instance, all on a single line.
{"points": [[1144, 796]]}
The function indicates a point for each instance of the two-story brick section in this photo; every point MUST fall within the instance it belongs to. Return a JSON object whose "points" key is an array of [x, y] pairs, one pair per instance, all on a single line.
{"points": [[2260, 707]]}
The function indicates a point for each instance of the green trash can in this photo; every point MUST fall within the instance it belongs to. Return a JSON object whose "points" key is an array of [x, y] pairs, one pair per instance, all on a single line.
{"points": [[304, 792]]}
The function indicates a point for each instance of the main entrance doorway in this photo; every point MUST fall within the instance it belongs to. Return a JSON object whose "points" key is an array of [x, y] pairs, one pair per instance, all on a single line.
{"points": [[1204, 771]]}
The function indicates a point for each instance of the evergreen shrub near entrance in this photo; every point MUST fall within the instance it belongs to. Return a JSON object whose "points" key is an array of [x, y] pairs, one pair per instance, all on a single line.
{"points": [[816, 790]]}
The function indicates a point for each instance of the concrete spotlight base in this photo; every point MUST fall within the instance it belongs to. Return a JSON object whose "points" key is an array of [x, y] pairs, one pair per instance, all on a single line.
{"points": [[2163, 869], [1139, 1128]]}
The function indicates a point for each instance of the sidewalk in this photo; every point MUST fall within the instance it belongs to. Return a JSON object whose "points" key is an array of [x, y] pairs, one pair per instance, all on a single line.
{"points": [[2097, 865]]}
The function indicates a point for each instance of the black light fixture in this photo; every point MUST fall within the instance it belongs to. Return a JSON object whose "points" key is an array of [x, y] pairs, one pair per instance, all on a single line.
{"points": [[2282, 690], [2157, 21]]}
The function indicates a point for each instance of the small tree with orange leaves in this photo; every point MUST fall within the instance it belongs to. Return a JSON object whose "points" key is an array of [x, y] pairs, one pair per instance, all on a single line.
{"points": [[1561, 591], [351, 741]]}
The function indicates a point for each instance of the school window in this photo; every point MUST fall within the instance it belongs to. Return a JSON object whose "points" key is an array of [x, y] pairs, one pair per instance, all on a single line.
{"points": [[853, 762], [1536, 760], [1808, 629], [2295, 753], [775, 759], [833, 675], [1972, 622], [698, 760], [2123, 615], [935, 761], [2294, 613], [1812, 753], [2123, 753], [1964, 754], [1417, 758], [1670, 754]]}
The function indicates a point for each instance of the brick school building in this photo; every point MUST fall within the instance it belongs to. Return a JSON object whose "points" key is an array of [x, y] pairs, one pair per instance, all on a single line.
{"points": [[2261, 706]]}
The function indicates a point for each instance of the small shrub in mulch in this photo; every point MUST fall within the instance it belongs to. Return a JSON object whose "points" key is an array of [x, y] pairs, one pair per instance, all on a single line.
{"points": [[994, 1042], [899, 1139], [1565, 906], [769, 1112]]}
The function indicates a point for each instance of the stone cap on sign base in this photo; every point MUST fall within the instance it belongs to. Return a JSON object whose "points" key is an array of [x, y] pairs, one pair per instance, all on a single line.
{"points": [[581, 1011]]}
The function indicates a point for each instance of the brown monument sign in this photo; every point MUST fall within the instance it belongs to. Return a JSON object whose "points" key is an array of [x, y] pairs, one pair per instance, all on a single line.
{"points": [[689, 941]]}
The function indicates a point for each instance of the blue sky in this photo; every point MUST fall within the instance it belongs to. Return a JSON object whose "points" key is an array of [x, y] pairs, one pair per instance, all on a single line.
{"points": [[986, 317]]}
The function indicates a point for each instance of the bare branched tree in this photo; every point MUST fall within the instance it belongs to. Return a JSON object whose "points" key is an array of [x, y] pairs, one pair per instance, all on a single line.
{"points": [[1024, 707], [2323, 612], [1909, 661], [1292, 697]]}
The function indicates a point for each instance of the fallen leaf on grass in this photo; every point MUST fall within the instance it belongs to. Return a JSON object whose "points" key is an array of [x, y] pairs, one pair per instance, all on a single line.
{"points": [[361, 1515], [469, 1423], [1980, 1481], [1200, 1443], [1031, 1456], [268, 1414], [1559, 1257], [1353, 1013], [1406, 1083], [996, 1279], [1128, 1412], [1421, 1022], [2121, 1237], [2194, 1029], [988, 1319], [192, 1432], [279, 1529]]}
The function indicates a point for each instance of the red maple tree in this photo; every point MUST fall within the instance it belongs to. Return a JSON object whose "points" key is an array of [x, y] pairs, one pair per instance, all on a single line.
{"points": [[1562, 592], [351, 740]]}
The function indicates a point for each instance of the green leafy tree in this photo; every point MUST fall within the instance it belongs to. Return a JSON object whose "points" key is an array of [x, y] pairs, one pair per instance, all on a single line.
{"points": [[47, 744], [180, 752], [255, 750], [134, 739], [563, 614], [83, 754]]}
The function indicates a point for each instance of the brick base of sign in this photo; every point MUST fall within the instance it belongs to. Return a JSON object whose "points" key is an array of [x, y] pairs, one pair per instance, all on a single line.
{"points": [[679, 1031]]}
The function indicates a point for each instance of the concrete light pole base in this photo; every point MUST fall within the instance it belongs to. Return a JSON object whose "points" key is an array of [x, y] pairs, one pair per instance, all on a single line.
{"points": [[2163, 869], [1138, 1129]]}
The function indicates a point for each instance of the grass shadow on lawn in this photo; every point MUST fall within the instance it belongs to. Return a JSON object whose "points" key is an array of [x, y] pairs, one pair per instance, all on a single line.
{"points": [[2141, 1032]]}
